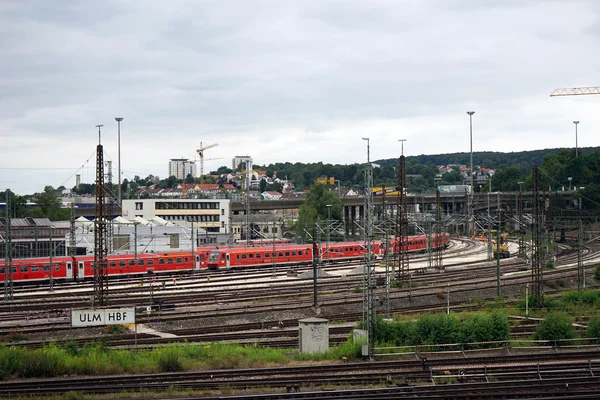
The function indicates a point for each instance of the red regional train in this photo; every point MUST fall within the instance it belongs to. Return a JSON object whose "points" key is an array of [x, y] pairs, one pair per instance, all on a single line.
{"points": [[301, 254], [212, 258]]}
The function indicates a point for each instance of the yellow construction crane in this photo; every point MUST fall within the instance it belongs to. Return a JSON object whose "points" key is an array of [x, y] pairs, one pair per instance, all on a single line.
{"points": [[201, 154], [578, 91]]}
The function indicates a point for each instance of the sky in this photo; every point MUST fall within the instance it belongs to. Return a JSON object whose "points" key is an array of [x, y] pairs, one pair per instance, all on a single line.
{"points": [[298, 81]]}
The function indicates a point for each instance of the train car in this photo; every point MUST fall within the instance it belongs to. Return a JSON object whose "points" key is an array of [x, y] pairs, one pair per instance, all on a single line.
{"points": [[348, 250], [286, 255], [39, 269], [418, 243], [241, 257], [82, 267]]}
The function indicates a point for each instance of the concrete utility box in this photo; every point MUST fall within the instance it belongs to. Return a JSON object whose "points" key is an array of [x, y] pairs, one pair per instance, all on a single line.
{"points": [[313, 334]]}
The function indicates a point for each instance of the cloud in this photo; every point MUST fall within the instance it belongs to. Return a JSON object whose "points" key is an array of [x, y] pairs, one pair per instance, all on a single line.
{"points": [[286, 81]]}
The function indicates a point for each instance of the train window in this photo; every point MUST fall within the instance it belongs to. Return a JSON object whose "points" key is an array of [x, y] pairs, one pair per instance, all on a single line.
{"points": [[121, 263], [287, 253], [169, 261], [300, 252], [1, 270], [131, 263], [178, 260], [24, 269], [186, 259], [293, 253], [35, 268], [14, 269], [243, 256], [161, 260], [57, 267], [113, 264], [267, 255], [150, 262], [141, 262], [250, 255], [46, 267], [237, 256], [258, 255], [280, 254]]}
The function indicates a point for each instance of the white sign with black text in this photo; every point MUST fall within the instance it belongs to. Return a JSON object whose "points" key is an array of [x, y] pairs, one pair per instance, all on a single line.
{"points": [[117, 316]]}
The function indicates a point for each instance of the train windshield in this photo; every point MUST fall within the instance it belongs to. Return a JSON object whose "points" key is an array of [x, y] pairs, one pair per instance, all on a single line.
{"points": [[214, 255]]}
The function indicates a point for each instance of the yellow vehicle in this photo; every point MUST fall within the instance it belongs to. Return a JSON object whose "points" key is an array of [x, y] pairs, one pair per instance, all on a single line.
{"points": [[502, 249]]}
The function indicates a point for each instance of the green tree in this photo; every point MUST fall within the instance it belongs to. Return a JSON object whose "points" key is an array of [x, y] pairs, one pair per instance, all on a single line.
{"points": [[315, 207], [507, 179], [593, 329], [49, 205], [555, 328], [262, 185], [275, 187]]}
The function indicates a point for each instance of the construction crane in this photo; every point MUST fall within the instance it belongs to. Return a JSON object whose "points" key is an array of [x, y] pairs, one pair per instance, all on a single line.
{"points": [[578, 91], [201, 154]]}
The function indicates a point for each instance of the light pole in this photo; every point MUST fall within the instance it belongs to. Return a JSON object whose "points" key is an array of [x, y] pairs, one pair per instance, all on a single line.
{"points": [[119, 119], [570, 179], [576, 148], [471, 218], [520, 187], [402, 146], [328, 229]]}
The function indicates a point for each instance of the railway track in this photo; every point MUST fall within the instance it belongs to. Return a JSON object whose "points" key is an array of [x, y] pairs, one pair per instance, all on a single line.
{"points": [[421, 375]]}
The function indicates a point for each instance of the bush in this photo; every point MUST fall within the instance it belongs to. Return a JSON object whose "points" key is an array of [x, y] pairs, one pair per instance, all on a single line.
{"points": [[36, 364], [593, 329], [555, 328], [485, 328], [169, 361], [597, 273], [114, 329]]}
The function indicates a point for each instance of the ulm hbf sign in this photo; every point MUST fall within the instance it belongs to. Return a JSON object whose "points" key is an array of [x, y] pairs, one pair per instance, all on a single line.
{"points": [[80, 318]]}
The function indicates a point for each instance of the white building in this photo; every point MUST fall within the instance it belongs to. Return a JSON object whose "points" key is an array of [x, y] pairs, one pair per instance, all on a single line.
{"points": [[211, 215], [180, 168], [237, 160]]}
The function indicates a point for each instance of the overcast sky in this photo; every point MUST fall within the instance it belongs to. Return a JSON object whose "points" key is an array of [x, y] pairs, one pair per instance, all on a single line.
{"points": [[298, 81]]}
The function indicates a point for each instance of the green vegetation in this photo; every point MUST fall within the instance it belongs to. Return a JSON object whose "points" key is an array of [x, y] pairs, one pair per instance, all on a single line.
{"points": [[315, 208], [96, 359], [437, 329], [555, 328]]}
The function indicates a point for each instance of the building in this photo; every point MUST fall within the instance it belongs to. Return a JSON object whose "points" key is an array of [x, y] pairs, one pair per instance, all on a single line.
{"points": [[180, 168], [212, 215], [267, 195], [237, 160], [262, 226]]}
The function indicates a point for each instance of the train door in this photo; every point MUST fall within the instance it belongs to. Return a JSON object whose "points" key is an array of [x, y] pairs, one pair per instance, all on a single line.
{"points": [[80, 270], [227, 261], [197, 264], [69, 272]]}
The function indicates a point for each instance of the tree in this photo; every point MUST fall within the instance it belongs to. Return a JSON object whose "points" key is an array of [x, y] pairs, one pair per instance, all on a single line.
{"points": [[554, 328], [507, 179], [262, 185], [275, 187], [49, 205], [189, 178], [315, 207]]}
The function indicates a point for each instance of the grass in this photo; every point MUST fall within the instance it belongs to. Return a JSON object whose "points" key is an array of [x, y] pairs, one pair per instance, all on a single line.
{"points": [[96, 359]]}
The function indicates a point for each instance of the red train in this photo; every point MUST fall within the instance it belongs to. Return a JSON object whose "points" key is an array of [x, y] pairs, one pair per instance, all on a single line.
{"points": [[226, 258], [213, 258]]}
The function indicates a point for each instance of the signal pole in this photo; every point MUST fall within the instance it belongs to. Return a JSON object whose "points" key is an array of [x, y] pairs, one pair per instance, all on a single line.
{"points": [[8, 277], [100, 234]]}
